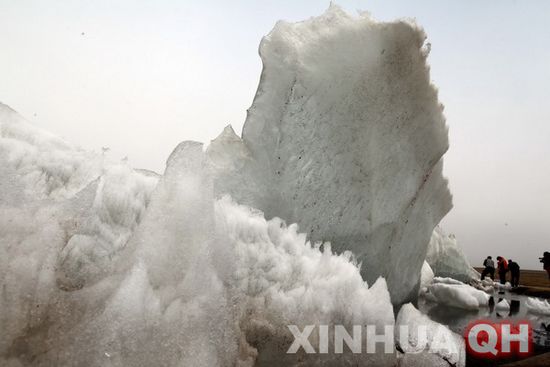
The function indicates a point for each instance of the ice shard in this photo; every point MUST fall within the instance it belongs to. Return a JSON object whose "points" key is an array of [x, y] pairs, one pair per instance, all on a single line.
{"points": [[447, 259]]}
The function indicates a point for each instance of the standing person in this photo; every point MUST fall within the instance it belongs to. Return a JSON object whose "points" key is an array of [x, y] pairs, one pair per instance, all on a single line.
{"points": [[502, 269], [514, 272], [489, 265], [545, 260]]}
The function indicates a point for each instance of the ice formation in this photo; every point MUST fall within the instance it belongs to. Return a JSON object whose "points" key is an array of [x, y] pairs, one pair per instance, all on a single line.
{"points": [[345, 137], [447, 259], [107, 266], [435, 346], [453, 293], [102, 264]]}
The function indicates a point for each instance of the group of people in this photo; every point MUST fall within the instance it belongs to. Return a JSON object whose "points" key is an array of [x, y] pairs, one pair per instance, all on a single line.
{"points": [[502, 267]]}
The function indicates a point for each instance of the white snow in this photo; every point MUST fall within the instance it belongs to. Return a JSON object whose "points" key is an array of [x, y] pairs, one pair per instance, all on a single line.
{"points": [[538, 306], [447, 259], [439, 346]]}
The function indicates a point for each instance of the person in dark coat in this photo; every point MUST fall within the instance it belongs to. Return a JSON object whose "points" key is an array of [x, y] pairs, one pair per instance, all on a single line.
{"points": [[489, 265], [545, 260], [514, 272], [502, 267]]}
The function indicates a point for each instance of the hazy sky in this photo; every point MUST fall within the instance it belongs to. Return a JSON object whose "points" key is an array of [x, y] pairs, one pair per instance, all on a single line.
{"points": [[141, 76]]}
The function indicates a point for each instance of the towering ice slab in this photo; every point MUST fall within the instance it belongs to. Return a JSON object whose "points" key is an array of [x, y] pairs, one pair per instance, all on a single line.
{"points": [[345, 137]]}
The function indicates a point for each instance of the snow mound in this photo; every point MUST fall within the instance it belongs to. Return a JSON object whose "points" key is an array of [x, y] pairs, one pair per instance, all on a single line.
{"points": [[425, 341], [457, 295], [345, 137], [538, 306], [447, 259]]}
